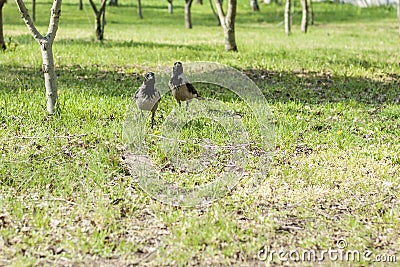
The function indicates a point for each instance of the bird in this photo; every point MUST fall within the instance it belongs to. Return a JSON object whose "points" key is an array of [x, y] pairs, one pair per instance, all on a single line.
{"points": [[182, 89], [147, 96]]}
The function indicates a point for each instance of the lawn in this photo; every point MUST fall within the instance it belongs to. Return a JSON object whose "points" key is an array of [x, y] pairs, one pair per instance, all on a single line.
{"points": [[67, 196]]}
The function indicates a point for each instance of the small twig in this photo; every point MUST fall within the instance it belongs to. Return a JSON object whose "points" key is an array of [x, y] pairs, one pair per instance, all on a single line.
{"points": [[26, 181], [372, 203], [62, 200], [145, 257], [166, 138], [206, 146], [289, 227], [89, 169], [44, 137]]}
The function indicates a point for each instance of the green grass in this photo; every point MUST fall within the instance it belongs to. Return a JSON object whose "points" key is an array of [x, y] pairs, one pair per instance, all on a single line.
{"points": [[66, 195]]}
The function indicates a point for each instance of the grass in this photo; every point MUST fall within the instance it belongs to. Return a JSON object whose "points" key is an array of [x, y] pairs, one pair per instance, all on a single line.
{"points": [[67, 197]]}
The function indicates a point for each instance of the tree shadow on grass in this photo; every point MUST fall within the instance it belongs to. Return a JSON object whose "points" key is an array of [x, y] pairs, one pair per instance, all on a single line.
{"points": [[320, 87], [297, 86], [90, 43], [123, 44], [92, 81]]}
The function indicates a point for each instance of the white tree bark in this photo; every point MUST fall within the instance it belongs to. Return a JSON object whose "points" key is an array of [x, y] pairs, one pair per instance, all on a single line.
{"points": [[228, 23], [188, 14], [170, 7], [46, 43], [288, 17], [254, 5], [99, 17], [304, 17]]}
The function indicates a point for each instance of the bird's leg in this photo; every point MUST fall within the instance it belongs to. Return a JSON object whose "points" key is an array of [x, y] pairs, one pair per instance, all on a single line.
{"points": [[152, 119], [187, 105]]}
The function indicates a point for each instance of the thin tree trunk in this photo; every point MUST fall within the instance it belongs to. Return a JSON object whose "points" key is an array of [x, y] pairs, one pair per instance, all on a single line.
{"points": [[80, 4], [2, 43], [34, 10], [310, 13], [50, 81], [304, 17], [254, 5], [46, 43], [398, 13], [103, 19], [228, 23], [170, 7], [98, 31], [139, 9], [188, 15], [288, 18], [99, 19], [215, 13]]}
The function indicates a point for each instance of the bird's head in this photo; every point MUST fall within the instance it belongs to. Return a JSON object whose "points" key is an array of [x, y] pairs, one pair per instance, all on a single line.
{"points": [[178, 68], [149, 77]]}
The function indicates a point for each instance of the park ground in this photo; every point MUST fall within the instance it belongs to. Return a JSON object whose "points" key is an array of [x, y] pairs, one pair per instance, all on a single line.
{"points": [[66, 194]]}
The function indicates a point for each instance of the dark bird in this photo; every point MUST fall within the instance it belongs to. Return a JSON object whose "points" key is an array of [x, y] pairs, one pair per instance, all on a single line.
{"points": [[181, 88], [147, 97]]}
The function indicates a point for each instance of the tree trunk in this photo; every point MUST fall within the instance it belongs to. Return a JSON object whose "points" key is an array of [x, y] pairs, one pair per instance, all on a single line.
{"points": [[49, 75], [304, 17], [34, 10], [103, 19], [139, 9], [288, 18], [100, 20], [188, 15], [99, 32], [215, 13], [254, 5], [228, 23], [229, 37], [398, 14], [170, 7], [2, 43], [46, 43], [310, 13], [80, 4]]}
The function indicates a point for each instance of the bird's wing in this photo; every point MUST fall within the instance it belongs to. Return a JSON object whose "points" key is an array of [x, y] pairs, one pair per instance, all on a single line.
{"points": [[170, 84], [158, 96], [141, 88], [191, 89]]}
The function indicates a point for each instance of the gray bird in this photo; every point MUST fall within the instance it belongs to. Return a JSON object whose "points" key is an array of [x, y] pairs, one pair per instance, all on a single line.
{"points": [[147, 97], [181, 88]]}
